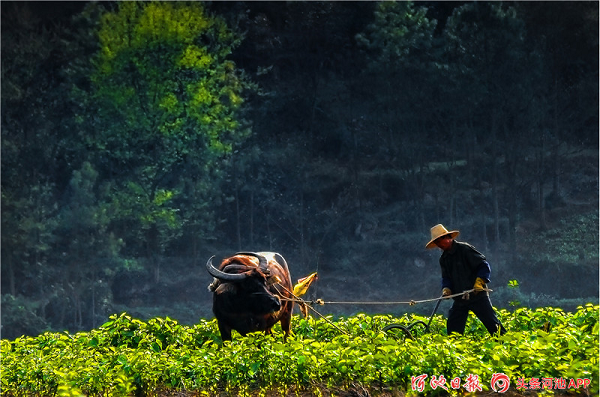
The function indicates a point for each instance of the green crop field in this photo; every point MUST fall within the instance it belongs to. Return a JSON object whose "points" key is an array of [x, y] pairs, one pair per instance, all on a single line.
{"points": [[546, 350]]}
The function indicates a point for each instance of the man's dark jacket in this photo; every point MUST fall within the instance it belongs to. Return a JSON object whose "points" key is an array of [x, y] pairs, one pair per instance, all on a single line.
{"points": [[461, 265]]}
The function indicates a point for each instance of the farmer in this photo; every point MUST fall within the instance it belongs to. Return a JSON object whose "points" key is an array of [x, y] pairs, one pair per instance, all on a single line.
{"points": [[464, 268]]}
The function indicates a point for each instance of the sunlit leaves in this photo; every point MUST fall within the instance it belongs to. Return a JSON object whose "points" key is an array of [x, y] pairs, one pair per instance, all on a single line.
{"points": [[195, 57], [138, 26], [169, 111], [126, 354], [166, 62]]}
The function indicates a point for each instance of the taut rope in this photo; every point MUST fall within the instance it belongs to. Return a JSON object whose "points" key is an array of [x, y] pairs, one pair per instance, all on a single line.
{"points": [[297, 299], [410, 302]]}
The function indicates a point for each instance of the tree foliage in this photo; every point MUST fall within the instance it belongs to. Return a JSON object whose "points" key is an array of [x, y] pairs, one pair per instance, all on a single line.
{"points": [[169, 105], [152, 117], [128, 157]]}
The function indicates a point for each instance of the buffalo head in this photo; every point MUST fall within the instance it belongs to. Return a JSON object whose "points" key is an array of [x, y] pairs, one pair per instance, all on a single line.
{"points": [[242, 288], [247, 292]]}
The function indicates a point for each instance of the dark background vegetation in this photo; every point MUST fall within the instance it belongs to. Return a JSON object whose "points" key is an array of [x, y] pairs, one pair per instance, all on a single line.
{"points": [[481, 116]]}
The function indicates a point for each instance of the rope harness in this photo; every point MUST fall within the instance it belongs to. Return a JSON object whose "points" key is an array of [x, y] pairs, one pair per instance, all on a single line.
{"points": [[296, 299], [301, 301], [321, 302]]}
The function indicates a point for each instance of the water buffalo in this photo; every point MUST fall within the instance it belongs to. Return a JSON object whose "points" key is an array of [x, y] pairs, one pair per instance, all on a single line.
{"points": [[247, 288]]}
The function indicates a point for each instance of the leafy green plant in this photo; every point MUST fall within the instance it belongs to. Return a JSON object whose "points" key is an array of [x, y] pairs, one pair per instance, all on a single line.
{"points": [[126, 355], [514, 285]]}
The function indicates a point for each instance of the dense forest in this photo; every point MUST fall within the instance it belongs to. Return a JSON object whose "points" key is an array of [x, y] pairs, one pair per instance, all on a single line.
{"points": [[141, 138]]}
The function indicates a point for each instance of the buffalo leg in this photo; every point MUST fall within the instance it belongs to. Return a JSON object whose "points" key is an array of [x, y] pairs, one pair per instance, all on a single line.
{"points": [[286, 324], [225, 331]]}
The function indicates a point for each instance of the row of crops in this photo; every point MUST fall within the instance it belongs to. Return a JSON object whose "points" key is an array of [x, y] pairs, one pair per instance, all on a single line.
{"points": [[545, 348]]}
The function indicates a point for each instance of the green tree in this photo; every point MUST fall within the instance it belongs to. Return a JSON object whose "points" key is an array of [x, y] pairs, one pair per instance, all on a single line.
{"points": [[299, 122], [569, 81], [403, 69], [497, 74], [37, 146], [169, 109], [90, 252], [400, 33]]}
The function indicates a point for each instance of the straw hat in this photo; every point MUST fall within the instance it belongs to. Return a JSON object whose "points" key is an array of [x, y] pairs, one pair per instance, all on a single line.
{"points": [[438, 231]]}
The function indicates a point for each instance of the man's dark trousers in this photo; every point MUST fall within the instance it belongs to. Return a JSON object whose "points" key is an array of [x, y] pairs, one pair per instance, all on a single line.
{"points": [[481, 306]]}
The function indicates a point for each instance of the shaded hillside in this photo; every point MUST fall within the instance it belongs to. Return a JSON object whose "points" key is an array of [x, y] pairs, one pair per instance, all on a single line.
{"points": [[335, 133]]}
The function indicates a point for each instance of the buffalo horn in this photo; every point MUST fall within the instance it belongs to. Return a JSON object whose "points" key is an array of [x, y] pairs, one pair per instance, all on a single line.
{"points": [[213, 271]]}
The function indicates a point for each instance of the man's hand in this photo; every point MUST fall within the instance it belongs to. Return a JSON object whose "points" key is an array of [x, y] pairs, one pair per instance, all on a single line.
{"points": [[479, 285], [446, 291]]}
